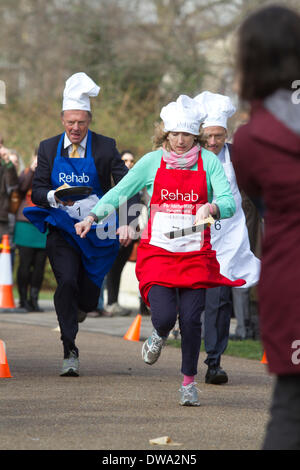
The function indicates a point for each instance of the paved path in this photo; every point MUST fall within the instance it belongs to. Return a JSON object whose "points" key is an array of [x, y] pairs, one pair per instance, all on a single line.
{"points": [[118, 402]]}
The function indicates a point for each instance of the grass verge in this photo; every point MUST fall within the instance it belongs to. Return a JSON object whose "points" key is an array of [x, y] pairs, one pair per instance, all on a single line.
{"points": [[44, 294], [247, 349]]}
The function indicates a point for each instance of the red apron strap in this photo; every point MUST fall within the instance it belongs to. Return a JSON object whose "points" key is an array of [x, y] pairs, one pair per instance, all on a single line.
{"points": [[200, 161], [163, 164]]}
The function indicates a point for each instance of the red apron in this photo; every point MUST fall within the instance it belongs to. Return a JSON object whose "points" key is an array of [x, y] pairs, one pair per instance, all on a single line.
{"points": [[187, 261]]}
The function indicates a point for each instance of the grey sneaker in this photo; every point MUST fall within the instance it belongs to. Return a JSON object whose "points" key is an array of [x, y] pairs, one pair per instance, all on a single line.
{"points": [[189, 395], [70, 367], [152, 347]]}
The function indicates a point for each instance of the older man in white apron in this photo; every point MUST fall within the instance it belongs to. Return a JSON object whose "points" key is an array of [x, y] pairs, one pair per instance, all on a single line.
{"points": [[230, 240]]}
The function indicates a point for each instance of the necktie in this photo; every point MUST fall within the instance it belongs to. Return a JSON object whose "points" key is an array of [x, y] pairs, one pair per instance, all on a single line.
{"points": [[74, 153]]}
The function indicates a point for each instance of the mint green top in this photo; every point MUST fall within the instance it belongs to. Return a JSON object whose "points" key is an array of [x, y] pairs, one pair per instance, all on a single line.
{"points": [[143, 174]]}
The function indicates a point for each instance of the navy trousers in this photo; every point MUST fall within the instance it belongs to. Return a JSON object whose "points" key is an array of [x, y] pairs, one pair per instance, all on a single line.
{"points": [[218, 311], [74, 288], [165, 303]]}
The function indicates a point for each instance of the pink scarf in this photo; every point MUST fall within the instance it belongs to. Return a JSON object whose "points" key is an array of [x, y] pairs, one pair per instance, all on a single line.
{"points": [[186, 160]]}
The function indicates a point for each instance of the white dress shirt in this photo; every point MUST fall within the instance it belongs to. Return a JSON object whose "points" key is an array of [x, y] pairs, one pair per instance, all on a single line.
{"points": [[81, 147], [81, 150]]}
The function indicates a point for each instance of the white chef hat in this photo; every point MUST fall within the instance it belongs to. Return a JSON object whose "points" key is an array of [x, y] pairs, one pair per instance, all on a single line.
{"points": [[218, 108], [182, 115], [79, 87]]}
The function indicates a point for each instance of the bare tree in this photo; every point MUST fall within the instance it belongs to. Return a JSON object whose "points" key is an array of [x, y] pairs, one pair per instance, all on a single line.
{"points": [[150, 49]]}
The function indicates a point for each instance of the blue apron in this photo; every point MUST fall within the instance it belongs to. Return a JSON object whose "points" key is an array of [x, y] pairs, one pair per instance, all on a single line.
{"points": [[98, 252]]}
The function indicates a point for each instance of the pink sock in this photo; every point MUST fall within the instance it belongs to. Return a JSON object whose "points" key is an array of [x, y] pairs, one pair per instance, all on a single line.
{"points": [[188, 379]]}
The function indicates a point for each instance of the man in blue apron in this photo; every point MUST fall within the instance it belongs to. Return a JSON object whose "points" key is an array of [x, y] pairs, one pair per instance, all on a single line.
{"points": [[229, 237], [78, 157]]}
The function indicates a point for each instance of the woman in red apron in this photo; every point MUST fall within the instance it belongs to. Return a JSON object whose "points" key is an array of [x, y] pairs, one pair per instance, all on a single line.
{"points": [[174, 272]]}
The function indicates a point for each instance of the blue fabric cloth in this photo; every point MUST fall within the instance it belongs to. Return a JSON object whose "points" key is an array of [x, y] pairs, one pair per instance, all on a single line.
{"points": [[97, 254], [76, 171]]}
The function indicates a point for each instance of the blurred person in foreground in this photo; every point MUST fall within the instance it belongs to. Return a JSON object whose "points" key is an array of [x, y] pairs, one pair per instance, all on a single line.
{"points": [[266, 157], [180, 178], [229, 237]]}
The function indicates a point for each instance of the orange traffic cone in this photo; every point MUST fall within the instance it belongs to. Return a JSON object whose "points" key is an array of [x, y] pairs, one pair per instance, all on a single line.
{"points": [[4, 369], [133, 333], [264, 359], [6, 280]]}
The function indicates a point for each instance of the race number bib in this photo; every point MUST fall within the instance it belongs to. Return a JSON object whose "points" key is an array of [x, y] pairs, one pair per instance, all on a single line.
{"points": [[82, 208], [164, 222]]}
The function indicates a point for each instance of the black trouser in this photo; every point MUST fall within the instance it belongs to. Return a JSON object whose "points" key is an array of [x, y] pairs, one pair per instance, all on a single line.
{"points": [[31, 267], [74, 289], [283, 430], [218, 310], [164, 304], [113, 278], [4, 229]]}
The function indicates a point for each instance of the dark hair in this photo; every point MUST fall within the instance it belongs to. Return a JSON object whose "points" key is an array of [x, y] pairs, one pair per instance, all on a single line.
{"points": [[268, 52]]}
